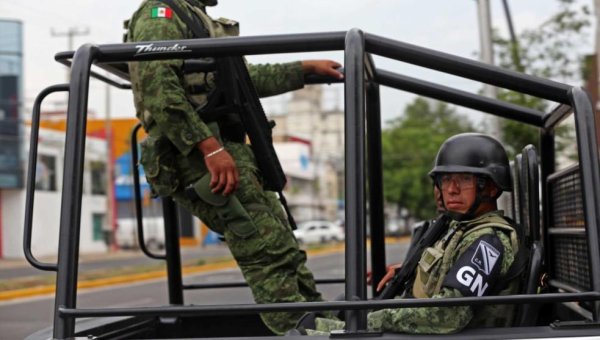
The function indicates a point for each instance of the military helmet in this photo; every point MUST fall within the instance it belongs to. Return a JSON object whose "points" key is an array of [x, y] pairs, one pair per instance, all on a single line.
{"points": [[209, 2], [474, 153]]}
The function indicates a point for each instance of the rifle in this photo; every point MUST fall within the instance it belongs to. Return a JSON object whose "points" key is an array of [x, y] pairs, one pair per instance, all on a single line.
{"points": [[233, 79], [405, 274]]}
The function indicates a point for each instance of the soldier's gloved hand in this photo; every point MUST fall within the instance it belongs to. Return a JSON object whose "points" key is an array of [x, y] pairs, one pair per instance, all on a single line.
{"points": [[221, 166], [322, 67]]}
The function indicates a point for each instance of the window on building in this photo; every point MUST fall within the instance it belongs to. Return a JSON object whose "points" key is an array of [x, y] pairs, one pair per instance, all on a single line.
{"points": [[97, 225], [45, 174], [98, 172]]}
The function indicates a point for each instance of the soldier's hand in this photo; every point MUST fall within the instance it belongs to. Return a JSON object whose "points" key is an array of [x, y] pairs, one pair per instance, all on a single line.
{"points": [[322, 67], [224, 175], [391, 271]]}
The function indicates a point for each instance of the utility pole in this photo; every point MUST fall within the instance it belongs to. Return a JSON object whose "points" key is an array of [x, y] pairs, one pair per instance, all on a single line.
{"points": [[487, 56], [70, 34], [111, 225]]}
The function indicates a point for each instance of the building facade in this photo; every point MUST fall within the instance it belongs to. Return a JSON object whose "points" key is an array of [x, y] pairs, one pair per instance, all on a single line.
{"points": [[47, 199], [306, 121]]}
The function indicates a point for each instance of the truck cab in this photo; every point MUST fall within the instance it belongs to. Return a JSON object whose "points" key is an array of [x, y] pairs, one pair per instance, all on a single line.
{"points": [[557, 208]]}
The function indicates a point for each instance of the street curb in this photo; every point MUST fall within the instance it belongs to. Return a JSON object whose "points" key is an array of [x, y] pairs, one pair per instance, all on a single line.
{"points": [[123, 279]]}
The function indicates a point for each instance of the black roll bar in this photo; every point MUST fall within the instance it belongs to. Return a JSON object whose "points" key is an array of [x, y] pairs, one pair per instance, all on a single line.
{"points": [[375, 178], [30, 191], [138, 196], [354, 137], [172, 251], [467, 68], [62, 58], [70, 213], [589, 167], [530, 172], [492, 106], [241, 309], [245, 284]]}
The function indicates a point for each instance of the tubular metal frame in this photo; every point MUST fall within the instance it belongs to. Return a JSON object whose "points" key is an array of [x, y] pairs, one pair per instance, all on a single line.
{"points": [[31, 170], [355, 45]]}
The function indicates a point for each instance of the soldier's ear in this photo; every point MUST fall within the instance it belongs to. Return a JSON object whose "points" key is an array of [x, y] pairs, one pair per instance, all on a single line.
{"points": [[492, 189]]}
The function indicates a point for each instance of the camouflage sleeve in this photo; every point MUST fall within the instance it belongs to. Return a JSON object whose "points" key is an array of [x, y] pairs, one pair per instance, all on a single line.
{"points": [[507, 257], [158, 85], [274, 79]]}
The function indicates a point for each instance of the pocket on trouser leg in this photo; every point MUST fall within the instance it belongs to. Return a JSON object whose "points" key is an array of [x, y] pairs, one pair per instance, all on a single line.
{"points": [[158, 161], [229, 209], [202, 210]]}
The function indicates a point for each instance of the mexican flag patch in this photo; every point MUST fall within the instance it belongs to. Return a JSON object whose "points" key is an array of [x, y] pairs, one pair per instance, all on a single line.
{"points": [[162, 12]]}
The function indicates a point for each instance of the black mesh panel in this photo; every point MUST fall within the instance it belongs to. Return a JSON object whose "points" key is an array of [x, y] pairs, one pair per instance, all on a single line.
{"points": [[570, 258], [571, 263], [567, 202]]}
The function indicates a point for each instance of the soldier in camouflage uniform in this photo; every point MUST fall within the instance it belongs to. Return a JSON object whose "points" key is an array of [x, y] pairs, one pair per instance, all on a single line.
{"points": [[471, 171], [181, 149]]}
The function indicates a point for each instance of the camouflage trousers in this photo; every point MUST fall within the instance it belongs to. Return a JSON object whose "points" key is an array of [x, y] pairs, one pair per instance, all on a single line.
{"points": [[270, 259], [403, 320]]}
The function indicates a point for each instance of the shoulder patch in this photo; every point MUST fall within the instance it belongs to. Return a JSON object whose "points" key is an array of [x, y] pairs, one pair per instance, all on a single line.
{"points": [[478, 268], [161, 12], [485, 257]]}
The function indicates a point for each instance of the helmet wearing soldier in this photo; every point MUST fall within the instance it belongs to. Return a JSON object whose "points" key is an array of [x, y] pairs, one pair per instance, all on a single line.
{"points": [[471, 162]]}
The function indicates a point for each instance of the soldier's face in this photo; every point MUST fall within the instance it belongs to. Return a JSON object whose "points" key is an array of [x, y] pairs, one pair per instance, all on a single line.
{"points": [[459, 191]]}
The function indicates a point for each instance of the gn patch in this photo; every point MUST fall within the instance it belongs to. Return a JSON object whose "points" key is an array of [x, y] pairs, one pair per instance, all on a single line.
{"points": [[478, 268]]}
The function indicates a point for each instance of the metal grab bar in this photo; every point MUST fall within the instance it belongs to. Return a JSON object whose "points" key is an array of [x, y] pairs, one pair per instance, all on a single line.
{"points": [[30, 191], [245, 284], [138, 196], [245, 309]]}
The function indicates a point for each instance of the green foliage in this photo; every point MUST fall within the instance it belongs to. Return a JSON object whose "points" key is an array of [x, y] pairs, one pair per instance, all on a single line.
{"points": [[409, 146], [549, 51]]}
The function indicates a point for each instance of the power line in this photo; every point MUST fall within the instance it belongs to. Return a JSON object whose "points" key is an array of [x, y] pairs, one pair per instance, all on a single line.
{"points": [[70, 34]]}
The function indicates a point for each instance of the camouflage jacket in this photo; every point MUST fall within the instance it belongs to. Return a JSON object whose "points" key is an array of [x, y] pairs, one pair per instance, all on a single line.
{"points": [[165, 97], [461, 247]]}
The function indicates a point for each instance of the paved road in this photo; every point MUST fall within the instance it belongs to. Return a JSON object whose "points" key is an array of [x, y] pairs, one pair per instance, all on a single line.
{"points": [[21, 318], [16, 269]]}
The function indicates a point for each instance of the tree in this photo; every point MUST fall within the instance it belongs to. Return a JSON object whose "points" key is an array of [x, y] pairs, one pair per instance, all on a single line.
{"points": [[409, 146], [550, 51]]}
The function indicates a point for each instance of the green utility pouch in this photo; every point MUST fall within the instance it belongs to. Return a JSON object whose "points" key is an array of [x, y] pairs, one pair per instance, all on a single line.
{"points": [[158, 160], [229, 208], [431, 256]]}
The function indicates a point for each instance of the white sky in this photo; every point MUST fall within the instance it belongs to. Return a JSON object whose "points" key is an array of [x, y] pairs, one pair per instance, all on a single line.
{"points": [[445, 25]]}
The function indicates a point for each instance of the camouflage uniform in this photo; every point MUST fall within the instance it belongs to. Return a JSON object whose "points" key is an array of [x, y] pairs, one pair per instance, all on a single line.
{"points": [[165, 98], [436, 262]]}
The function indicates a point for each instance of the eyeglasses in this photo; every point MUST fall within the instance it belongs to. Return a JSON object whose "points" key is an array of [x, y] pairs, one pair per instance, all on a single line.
{"points": [[462, 181]]}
